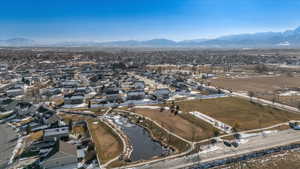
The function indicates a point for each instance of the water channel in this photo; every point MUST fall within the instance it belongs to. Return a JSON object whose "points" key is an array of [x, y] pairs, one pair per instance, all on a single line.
{"points": [[144, 147]]}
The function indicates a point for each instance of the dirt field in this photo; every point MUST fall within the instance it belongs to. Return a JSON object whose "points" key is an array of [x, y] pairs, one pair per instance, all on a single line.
{"points": [[108, 145], [257, 84], [284, 160], [263, 87], [288, 100], [183, 125], [239, 113]]}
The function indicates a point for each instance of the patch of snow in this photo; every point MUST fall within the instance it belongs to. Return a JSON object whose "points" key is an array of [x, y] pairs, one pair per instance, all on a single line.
{"points": [[209, 149], [286, 43], [290, 93], [70, 106], [218, 124], [148, 107]]}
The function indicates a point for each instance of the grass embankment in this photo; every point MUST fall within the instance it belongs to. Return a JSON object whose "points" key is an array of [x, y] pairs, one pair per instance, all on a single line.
{"points": [[107, 142], [34, 136], [158, 133], [184, 125], [239, 113]]}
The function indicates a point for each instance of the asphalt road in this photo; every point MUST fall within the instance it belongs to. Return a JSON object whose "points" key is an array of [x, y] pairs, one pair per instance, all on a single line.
{"points": [[8, 139], [254, 144]]}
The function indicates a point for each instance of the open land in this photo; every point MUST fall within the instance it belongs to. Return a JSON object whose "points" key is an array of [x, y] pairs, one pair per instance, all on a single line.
{"points": [[185, 126], [263, 87], [107, 144], [239, 113]]}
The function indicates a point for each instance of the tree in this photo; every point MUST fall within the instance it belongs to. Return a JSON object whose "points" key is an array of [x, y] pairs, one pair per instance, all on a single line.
{"points": [[274, 100], [261, 68], [251, 94], [235, 127], [28, 129], [70, 124], [289, 74], [89, 104], [219, 91], [177, 107], [194, 132], [175, 112], [216, 133]]}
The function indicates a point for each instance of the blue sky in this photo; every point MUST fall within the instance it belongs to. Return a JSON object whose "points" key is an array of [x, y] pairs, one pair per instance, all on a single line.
{"points": [[105, 20]]}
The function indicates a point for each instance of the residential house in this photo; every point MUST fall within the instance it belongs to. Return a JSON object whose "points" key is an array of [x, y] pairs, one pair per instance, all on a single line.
{"points": [[74, 98], [135, 95], [66, 155], [162, 93], [59, 132]]}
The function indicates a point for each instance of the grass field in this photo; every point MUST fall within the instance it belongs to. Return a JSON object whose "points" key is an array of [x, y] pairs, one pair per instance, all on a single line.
{"points": [[239, 113], [185, 126], [108, 144]]}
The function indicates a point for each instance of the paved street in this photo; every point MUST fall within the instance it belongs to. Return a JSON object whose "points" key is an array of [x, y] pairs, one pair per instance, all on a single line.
{"points": [[254, 144], [8, 139]]}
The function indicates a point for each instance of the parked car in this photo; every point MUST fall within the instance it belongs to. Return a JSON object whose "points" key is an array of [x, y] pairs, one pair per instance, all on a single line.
{"points": [[228, 144]]}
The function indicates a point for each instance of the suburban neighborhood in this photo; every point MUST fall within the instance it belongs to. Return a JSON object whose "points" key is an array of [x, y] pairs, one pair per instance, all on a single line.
{"points": [[76, 111]]}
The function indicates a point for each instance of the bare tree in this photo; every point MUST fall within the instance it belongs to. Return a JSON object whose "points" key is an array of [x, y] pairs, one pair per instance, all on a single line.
{"points": [[251, 94]]}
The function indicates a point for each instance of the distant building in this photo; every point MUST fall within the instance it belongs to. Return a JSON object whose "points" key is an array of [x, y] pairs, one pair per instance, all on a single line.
{"points": [[112, 94], [74, 98], [139, 85], [135, 95], [162, 93], [12, 92]]}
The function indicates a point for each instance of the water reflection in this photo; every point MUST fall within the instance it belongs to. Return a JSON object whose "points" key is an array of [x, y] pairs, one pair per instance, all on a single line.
{"points": [[144, 147]]}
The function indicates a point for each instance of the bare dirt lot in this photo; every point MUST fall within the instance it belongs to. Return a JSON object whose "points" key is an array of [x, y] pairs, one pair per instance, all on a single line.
{"points": [[263, 87], [108, 145], [239, 113], [257, 84]]}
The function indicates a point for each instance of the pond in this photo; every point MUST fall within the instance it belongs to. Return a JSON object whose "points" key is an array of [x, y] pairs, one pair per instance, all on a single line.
{"points": [[144, 147]]}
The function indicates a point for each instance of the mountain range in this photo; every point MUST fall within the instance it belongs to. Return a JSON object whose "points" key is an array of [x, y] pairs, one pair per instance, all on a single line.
{"points": [[289, 38]]}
